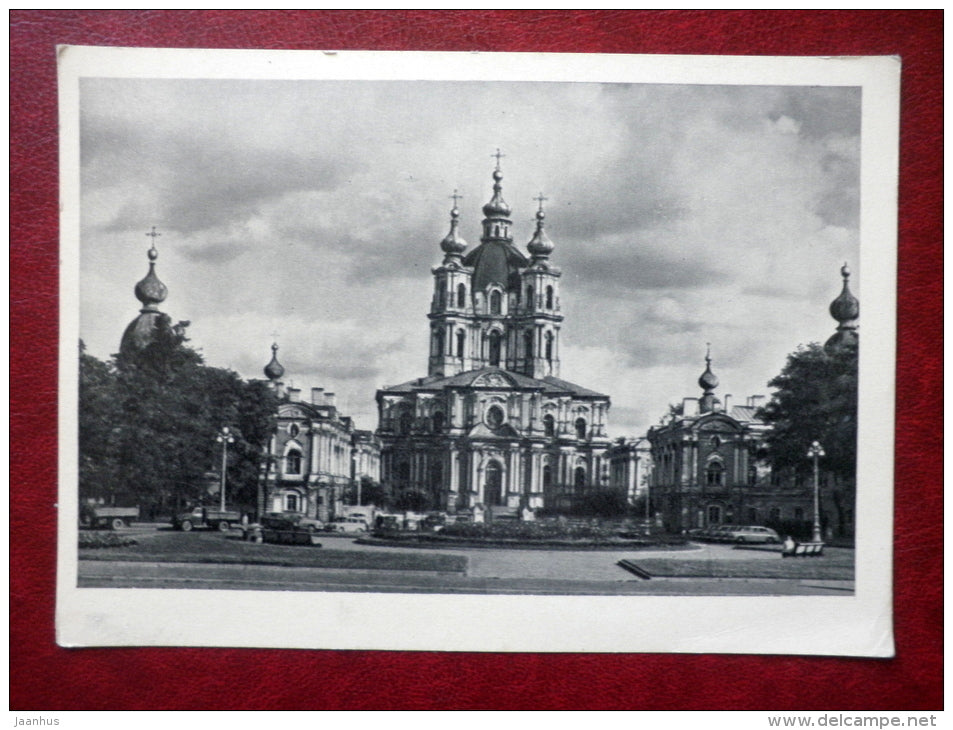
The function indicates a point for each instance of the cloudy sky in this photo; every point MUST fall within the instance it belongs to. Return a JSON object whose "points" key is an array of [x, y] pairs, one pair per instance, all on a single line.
{"points": [[681, 215]]}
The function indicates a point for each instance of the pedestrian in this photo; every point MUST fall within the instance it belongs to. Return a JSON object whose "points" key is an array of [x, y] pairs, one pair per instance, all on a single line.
{"points": [[789, 545]]}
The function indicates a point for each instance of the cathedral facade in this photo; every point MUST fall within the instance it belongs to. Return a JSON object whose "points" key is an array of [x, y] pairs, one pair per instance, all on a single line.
{"points": [[492, 423]]}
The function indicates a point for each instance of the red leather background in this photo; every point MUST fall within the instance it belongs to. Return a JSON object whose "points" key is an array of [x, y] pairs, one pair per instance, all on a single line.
{"points": [[45, 677]]}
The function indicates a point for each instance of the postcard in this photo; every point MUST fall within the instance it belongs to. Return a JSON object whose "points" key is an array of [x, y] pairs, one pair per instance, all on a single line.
{"points": [[477, 351]]}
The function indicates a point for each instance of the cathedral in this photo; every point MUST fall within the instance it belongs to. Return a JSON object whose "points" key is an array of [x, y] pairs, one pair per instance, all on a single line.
{"points": [[492, 423]]}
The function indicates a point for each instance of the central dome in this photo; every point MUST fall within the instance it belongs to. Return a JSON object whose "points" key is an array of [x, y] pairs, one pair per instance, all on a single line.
{"points": [[497, 207]]}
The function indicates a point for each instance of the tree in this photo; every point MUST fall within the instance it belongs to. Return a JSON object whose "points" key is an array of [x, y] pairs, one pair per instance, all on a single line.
{"points": [[604, 502], [148, 422], [815, 399]]}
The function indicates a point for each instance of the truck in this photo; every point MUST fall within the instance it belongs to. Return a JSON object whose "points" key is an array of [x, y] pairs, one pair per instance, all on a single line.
{"points": [[207, 517], [100, 516]]}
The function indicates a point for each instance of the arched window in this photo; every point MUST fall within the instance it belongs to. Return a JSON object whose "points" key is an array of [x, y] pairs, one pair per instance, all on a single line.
{"points": [[549, 347], [461, 342], [715, 474], [547, 477], [528, 343], [441, 296], [495, 346], [579, 480], [549, 297], [496, 302], [438, 422], [406, 422], [549, 425], [580, 428], [438, 342], [529, 298], [291, 502], [714, 514], [461, 296], [293, 462]]}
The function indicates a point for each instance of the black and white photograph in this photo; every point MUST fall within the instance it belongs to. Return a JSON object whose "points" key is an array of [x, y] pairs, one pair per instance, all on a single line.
{"points": [[456, 351]]}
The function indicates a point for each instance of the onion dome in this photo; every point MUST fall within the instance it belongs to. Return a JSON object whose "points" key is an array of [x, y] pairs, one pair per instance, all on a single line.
{"points": [[453, 244], [496, 259], [846, 310], [497, 207], [708, 382], [274, 369], [540, 246], [143, 330], [150, 291]]}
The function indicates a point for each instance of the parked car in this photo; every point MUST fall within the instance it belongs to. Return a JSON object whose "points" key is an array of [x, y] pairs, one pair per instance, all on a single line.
{"points": [[714, 533], [348, 525], [753, 534], [208, 517], [280, 520], [289, 527]]}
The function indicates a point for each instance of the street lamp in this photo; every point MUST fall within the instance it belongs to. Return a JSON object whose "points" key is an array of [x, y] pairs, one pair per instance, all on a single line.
{"points": [[816, 452], [225, 438]]}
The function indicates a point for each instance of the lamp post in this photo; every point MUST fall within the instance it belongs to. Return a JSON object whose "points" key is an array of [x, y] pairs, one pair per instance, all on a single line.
{"points": [[225, 438], [816, 452]]}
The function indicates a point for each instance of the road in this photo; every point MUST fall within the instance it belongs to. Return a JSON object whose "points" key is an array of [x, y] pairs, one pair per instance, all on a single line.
{"points": [[489, 571]]}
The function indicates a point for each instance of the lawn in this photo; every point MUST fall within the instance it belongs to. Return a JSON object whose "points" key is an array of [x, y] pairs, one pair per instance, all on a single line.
{"points": [[214, 548], [833, 565]]}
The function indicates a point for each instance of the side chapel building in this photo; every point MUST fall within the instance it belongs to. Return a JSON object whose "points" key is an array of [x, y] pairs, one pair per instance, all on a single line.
{"points": [[316, 456], [710, 464], [492, 423]]}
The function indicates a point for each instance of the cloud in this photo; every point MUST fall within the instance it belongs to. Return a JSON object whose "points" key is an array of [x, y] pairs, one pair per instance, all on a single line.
{"points": [[680, 215]]}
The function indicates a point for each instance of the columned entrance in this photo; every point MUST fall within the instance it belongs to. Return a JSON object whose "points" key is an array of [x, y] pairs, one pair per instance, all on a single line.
{"points": [[493, 483]]}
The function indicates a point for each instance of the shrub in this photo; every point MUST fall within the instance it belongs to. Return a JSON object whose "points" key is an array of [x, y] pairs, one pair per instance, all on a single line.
{"points": [[104, 540]]}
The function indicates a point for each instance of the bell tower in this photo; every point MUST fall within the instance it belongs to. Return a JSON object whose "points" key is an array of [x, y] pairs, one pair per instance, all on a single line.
{"points": [[537, 317], [451, 311]]}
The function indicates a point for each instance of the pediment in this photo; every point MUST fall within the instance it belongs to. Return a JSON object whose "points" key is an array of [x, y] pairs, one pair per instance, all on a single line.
{"points": [[719, 423], [481, 430], [494, 380], [292, 411]]}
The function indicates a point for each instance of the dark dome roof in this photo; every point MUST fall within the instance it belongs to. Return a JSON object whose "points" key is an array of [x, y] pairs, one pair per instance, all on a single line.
{"points": [[453, 243], [497, 207], [150, 291], [540, 245], [494, 261], [274, 369], [846, 307], [708, 380]]}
